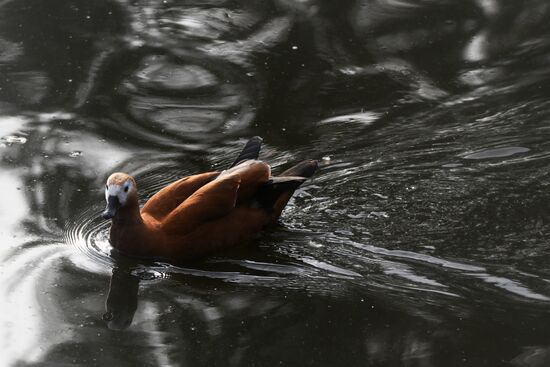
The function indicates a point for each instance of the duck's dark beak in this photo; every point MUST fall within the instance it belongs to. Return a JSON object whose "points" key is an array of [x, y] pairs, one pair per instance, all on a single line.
{"points": [[112, 206]]}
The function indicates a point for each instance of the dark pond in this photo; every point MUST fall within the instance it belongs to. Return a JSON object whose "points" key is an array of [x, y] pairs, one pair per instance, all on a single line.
{"points": [[422, 241]]}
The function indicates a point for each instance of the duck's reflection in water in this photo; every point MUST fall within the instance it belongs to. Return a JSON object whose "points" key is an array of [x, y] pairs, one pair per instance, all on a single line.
{"points": [[122, 300]]}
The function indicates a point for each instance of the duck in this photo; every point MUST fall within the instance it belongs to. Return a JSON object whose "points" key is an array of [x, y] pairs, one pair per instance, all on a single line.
{"points": [[200, 214]]}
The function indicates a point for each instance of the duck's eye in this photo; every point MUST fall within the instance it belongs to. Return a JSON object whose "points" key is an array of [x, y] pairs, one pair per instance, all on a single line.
{"points": [[126, 189]]}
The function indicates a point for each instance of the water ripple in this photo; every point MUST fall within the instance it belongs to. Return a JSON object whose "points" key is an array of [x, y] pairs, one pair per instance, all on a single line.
{"points": [[194, 97], [88, 232]]}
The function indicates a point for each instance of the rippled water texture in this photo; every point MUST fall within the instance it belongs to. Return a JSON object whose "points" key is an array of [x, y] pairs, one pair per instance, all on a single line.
{"points": [[422, 240]]}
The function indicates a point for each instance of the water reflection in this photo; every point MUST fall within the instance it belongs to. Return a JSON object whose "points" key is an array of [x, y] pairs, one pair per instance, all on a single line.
{"points": [[26, 265], [122, 299], [177, 96]]}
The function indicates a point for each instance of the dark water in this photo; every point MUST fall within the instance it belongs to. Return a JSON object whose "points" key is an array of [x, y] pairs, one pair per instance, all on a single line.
{"points": [[422, 241]]}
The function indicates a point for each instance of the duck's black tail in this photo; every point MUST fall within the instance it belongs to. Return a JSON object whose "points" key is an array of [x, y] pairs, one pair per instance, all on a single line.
{"points": [[303, 169], [275, 194], [250, 151]]}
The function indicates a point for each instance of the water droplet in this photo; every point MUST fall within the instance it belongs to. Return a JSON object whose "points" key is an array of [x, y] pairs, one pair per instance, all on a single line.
{"points": [[294, 47], [76, 153]]}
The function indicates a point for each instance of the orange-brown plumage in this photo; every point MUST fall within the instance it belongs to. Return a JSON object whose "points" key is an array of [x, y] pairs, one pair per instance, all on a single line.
{"points": [[199, 214]]}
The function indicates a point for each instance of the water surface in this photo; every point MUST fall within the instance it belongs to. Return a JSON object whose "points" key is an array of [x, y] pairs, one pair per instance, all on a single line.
{"points": [[422, 240]]}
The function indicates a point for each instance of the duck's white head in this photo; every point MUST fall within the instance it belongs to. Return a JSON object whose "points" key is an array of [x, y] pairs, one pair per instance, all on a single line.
{"points": [[120, 189]]}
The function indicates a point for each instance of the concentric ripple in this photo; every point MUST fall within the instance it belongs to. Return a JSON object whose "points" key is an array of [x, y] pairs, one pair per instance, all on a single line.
{"points": [[89, 233]]}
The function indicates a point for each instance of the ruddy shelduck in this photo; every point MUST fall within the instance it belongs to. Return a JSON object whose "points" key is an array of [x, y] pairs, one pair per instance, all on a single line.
{"points": [[198, 215]]}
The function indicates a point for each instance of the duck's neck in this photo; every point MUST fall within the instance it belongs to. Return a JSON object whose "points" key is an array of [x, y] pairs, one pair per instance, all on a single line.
{"points": [[128, 215]]}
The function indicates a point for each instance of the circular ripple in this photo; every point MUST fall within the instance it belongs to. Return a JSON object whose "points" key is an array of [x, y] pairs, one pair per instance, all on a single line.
{"points": [[89, 233], [164, 97]]}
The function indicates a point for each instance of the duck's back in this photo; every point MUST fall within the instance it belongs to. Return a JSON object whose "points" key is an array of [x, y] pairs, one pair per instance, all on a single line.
{"points": [[218, 198], [170, 197]]}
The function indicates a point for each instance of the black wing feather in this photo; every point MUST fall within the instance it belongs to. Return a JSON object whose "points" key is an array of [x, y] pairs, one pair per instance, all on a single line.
{"points": [[250, 151]]}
